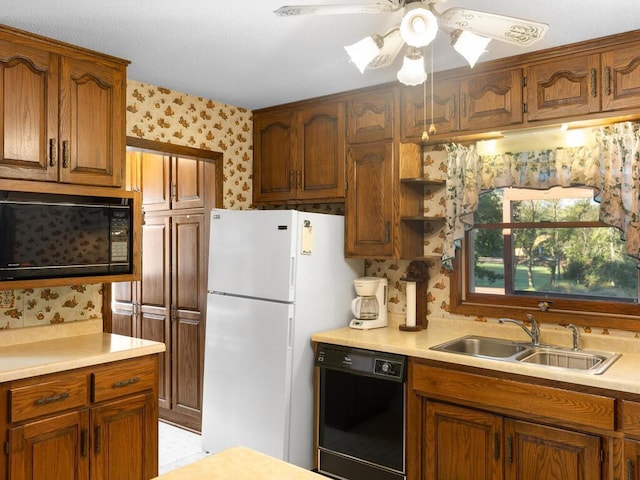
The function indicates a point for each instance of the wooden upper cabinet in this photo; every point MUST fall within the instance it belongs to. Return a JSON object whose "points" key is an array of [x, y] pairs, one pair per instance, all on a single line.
{"points": [[92, 119], [621, 78], [369, 222], [491, 100], [320, 147], [441, 109], [273, 167], [299, 154], [63, 112], [563, 88], [28, 83], [370, 116]]}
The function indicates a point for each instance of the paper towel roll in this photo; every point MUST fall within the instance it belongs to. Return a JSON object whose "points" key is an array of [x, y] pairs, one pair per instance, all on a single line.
{"points": [[411, 304]]}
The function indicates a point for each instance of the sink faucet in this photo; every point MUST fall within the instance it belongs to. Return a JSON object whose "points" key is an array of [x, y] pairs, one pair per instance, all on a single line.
{"points": [[534, 333], [576, 337]]}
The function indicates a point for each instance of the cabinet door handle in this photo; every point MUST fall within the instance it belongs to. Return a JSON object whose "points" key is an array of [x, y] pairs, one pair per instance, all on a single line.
{"points": [[98, 434], [594, 91], [84, 442], [65, 153], [496, 446], [629, 470], [607, 80], [463, 104], [510, 449], [53, 152], [453, 107], [291, 178], [387, 232], [124, 383], [51, 399]]}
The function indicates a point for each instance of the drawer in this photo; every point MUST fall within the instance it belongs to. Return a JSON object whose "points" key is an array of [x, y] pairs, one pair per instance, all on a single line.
{"points": [[631, 418], [517, 398], [122, 379], [51, 396]]}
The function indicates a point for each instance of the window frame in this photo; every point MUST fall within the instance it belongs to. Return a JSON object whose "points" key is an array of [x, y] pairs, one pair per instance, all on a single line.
{"points": [[597, 313]]}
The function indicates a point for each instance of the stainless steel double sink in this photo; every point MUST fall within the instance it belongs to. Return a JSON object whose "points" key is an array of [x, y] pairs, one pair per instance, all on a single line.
{"points": [[586, 361]]}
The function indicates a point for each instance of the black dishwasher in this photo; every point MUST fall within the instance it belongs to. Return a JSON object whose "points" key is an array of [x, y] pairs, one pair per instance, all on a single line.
{"points": [[361, 400]]}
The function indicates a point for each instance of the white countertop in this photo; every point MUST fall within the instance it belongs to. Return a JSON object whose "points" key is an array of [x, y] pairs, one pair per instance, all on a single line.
{"points": [[40, 357], [621, 376]]}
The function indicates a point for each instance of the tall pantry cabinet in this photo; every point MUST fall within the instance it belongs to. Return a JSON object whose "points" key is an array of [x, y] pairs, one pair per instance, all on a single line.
{"points": [[168, 304]]}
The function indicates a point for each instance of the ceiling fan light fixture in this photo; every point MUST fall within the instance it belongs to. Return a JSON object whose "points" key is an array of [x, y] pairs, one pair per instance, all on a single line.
{"points": [[419, 25], [364, 51], [469, 45], [412, 71]]}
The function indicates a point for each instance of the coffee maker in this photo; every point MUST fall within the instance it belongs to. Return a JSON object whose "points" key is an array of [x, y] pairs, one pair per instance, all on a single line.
{"points": [[370, 306]]}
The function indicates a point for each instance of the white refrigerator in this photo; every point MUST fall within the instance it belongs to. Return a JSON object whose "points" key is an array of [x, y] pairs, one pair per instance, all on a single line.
{"points": [[275, 277]]}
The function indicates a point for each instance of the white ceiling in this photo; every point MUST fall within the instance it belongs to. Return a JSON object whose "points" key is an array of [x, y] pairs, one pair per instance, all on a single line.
{"points": [[238, 52]]}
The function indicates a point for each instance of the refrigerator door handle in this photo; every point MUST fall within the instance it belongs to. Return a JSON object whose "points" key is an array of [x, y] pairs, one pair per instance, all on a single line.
{"points": [[292, 273], [290, 328]]}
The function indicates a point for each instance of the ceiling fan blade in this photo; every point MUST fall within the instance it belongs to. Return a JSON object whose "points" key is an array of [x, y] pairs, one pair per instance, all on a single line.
{"points": [[517, 31], [292, 10], [392, 45]]}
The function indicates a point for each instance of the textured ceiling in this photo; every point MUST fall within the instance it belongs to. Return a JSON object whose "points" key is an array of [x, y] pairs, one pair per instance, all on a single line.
{"points": [[238, 52]]}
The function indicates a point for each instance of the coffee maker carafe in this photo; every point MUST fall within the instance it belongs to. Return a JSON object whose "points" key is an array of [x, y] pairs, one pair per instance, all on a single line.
{"points": [[370, 306]]}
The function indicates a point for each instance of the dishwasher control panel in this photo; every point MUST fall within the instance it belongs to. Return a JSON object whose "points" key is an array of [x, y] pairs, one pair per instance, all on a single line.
{"points": [[363, 362]]}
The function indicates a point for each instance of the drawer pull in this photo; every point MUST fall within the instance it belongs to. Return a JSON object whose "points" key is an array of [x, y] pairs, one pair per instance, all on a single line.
{"points": [[124, 383], [51, 399]]}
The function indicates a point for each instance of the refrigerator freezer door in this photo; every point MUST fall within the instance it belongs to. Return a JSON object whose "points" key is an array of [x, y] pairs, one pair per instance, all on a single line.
{"points": [[252, 253], [247, 375]]}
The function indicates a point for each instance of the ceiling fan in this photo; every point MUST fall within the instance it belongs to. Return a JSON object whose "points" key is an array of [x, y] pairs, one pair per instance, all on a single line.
{"points": [[470, 32]]}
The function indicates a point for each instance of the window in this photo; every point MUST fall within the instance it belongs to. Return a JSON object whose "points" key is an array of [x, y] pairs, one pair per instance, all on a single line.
{"points": [[545, 248]]}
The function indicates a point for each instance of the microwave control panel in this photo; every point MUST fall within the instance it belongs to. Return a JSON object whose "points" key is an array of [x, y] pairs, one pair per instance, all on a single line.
{"points": [[120, 229]]}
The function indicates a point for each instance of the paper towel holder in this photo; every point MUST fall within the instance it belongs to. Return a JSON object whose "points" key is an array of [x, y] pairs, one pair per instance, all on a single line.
{"points": [[418, 271]]}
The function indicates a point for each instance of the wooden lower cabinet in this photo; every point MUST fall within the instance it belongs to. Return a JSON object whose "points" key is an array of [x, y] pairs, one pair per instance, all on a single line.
{"points": [[539, 451], [107, 430], [473, 427], [462, 443]]}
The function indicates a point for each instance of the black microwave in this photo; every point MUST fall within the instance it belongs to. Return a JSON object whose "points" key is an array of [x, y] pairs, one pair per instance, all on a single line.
{"points": [[52, 236]]}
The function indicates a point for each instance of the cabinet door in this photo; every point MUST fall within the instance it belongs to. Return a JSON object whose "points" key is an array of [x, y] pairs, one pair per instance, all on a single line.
{"points": [[371, 116], [189, 274], [320, 157], [28, 84], [462, 444], [621, 78], [92, 123], [536, 451], [187, 182], [491, 100], [369, 222], [124, 434], [441, 109], [155, 295], [273, 169], [631, 465], [51, 449], [124, 298], [563, 88], [156, 180]]}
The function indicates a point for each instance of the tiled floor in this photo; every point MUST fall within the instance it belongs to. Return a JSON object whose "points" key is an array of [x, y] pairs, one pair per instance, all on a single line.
{"points": [[177, 447]]}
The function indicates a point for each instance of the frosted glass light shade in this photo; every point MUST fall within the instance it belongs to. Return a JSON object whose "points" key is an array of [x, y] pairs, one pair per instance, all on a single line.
{"points": [[364, 51], [419, 26], [469, 45], [412, 71]]}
